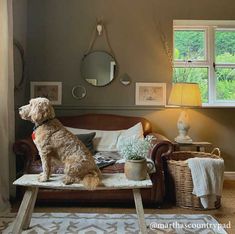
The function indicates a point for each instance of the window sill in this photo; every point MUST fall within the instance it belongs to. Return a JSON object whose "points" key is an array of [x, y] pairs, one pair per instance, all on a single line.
{"points": [[219, 105], [205, 105]]}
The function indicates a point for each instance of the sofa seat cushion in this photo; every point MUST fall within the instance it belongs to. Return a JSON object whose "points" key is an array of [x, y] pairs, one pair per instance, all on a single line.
{"points": [[115, 168], [117, 165], [36, 168], [58, 168]]}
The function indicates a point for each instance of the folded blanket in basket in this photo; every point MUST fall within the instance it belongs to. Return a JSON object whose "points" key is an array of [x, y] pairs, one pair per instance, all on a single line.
{"points": [[207, 176]]}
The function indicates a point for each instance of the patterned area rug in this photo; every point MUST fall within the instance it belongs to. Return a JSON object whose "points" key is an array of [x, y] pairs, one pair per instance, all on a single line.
{"points": [[65, 223]]}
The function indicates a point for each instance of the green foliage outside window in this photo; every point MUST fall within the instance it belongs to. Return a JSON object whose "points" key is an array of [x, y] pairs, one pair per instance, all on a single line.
{"points": [[189, 46], [224, 43], [225, 84]]}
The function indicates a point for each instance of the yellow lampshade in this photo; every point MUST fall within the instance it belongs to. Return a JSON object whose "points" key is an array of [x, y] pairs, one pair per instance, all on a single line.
{"points": [[185, 94]]}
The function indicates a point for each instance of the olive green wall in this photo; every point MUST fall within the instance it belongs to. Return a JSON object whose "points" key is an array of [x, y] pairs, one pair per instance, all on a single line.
{"points": [[59, 32]]}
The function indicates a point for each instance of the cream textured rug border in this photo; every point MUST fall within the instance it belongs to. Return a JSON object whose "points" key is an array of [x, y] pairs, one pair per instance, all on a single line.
{"points": [[85, 223]]}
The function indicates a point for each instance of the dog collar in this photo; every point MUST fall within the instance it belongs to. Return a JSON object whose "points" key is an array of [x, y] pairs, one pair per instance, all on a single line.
{"points": [[33, 136], [35, 127]]}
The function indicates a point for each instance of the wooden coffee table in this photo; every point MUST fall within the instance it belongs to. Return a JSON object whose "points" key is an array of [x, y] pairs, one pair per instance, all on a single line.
{"points": [[110, 182]]}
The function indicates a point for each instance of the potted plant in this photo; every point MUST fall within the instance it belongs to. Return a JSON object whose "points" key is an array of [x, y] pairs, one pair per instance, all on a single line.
{"points": [[135, 150]]}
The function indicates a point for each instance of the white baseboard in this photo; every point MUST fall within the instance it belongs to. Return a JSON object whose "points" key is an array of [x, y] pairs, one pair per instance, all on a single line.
{"points": [[229, 175]]}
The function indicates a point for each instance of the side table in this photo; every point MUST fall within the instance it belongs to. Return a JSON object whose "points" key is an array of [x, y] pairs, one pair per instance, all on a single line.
{"points": [[197, 146]]}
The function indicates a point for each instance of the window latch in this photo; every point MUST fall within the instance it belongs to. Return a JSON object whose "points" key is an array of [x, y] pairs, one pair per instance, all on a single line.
{"points": [[214, 66]]}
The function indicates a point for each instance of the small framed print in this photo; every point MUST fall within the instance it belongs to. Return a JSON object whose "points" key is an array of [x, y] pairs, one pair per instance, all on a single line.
{"points": [[150, 94], [50, 90]]}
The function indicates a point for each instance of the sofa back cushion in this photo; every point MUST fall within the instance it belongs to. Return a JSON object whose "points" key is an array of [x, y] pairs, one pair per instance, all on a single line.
{"points": [[105, 122], [87, 140], [107, 140]]}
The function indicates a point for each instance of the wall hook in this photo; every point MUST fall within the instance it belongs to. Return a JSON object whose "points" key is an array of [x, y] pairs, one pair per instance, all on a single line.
{"points": [[99, 28]]}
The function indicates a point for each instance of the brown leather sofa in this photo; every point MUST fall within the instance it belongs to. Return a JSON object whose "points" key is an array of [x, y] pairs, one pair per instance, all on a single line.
{"points": [[27, 154]]}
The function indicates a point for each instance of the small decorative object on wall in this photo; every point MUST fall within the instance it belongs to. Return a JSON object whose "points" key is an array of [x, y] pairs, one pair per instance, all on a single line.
{"points": [[19, 64], [151, 94], [50, 90], [78, 92], [125, 79]]}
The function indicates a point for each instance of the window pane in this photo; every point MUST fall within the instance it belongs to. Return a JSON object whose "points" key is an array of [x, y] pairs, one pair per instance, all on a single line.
{"points": [[189, 45], [196, 75], [225, 46], [225, 84]]}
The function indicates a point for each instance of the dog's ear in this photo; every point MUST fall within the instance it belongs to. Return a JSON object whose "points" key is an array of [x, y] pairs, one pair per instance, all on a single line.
{"points": [[41, 110], [35, 113], [47, 110]]}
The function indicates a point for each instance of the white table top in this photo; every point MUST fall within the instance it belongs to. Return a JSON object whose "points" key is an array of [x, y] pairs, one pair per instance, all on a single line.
{"points": [[110, 182]]}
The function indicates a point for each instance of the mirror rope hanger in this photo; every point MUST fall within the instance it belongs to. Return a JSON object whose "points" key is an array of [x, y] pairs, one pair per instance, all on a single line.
{"points": [[98, 31], [20, 48]]}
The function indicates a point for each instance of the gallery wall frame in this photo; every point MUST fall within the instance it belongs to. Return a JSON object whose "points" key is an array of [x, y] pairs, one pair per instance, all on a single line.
{"points": [[150, 94], [50, 90]]}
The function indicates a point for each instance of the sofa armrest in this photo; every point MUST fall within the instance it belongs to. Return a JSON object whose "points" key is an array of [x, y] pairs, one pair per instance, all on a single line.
{"points": [[158, 137], [27, 150], [162, 149]]}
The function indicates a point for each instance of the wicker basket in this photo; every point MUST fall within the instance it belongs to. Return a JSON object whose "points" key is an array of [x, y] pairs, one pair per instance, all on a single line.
{"points": [[181, 179]]}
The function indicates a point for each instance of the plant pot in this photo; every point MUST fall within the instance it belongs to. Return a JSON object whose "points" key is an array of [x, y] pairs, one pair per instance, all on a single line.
{"points": [[136, 169]]}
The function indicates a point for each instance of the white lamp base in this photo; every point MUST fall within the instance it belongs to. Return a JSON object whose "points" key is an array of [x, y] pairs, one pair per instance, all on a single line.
{"points": [[185, 140], [183, 127]]}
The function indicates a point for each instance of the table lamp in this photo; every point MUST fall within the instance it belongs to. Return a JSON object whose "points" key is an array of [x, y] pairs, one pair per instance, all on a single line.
{"points": [[184, 95]]}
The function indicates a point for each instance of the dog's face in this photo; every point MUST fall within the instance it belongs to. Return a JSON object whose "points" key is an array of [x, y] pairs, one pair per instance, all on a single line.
{"points": [[37, 111]]}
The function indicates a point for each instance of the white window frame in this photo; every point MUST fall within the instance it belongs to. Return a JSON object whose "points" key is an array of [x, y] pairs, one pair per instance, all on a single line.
{"points": [[209, 27]]}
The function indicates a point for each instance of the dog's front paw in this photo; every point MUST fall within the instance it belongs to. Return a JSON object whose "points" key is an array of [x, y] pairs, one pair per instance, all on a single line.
{"points": [[68, 180], [42, 178]]}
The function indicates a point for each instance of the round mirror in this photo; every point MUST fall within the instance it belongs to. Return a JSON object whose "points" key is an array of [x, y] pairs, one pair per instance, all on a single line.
{"points": [[98, 68]]}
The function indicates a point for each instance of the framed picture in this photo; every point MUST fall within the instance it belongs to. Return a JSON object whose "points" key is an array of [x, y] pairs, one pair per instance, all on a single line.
{"points": [[151, 94], [50, 90]]}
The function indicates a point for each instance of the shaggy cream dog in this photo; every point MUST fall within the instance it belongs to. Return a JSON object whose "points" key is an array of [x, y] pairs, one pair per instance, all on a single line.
{"points": [[55, 142]]}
